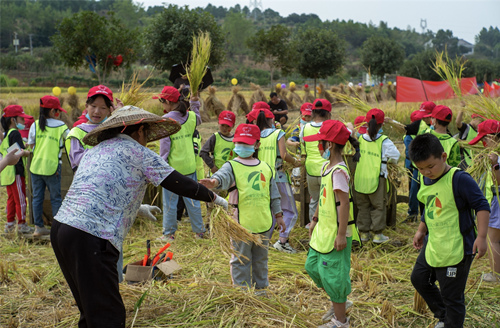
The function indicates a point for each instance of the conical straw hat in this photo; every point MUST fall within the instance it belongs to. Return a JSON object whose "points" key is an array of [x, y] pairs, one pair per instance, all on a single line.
{"points": [[159, 127]]}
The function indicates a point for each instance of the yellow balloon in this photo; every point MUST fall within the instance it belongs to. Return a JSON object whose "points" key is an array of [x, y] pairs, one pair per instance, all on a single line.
{"points": [[292, 84], [72, 90], [390, 83], [234, 81], [56, 91], [278, 85]]}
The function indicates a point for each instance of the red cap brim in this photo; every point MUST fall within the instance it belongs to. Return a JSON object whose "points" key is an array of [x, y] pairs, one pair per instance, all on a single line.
{"points": [[477, 138], [314, 137], [245, 140], [231, 124], [362, 130]]}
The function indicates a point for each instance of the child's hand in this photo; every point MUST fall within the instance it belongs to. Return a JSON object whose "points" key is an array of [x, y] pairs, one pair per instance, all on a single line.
{"points": [[480, 246], [493, 158], [312, 224], [119, 104], [214, 169], [281, 224], [340, 242], [418, 240], [209, 183], [297, 163]]}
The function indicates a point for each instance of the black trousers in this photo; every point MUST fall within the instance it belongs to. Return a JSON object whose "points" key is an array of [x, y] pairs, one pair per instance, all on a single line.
{"points": [[88, 264], [448, 301]]}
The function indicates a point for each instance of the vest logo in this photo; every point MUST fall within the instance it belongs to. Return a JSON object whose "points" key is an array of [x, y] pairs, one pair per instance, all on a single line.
{"points": [[322, 195], [226, 154], [434, 206], [257, 180]]}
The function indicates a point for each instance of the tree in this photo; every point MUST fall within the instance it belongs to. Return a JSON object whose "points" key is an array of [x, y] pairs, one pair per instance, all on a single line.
{"points": [[169, 37], [274, 47], [419, 66], [321, 53], [488, 43], [98, 42], [381, 55], [237, 29]]}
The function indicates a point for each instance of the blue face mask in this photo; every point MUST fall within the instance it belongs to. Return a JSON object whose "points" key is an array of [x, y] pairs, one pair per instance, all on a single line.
{"points": [[20, 126], [244, 151], [88, 118], [432, 127], [326, 154], [381, 130], [302, 122]]}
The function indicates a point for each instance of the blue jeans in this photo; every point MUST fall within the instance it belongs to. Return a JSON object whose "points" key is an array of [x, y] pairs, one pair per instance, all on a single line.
{"points": [[53, 183], [413, 201], [170, 211]]}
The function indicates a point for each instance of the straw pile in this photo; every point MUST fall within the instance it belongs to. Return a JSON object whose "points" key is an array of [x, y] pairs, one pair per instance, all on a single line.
{"points": [[212, 104], [257, 95], [285, 96], [73, 102], [294, 98], [200, 56], [323, 93], [238, 102], [133, 92], [308, 97], [379, 93], [205, 117], [391, 91]]}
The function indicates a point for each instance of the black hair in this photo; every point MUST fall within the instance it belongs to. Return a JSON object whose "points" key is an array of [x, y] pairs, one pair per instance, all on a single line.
{"points": [[443, 123], [424, 146], [373, 128], [91, 100], [6, 121], [113, 132], [262, 122], [354, 143], [323, 113], [183, 105], [44, 115], [273, 94]]}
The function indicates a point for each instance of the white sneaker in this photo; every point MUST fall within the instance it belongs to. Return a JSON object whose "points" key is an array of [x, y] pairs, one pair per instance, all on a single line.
{"points": [[334, 323], [491, 277], [380, 238], [25, 229], [41, 231], [440, 324], [285, 248], [9, 228], [330, 313]]}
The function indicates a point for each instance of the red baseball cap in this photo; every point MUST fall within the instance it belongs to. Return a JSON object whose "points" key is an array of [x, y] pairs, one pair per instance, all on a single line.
{"points": [[360, 124], [323, 104], [333, 131], [101, 90], [478, 116], [15, 111], [428, 106], [261, 105], [28, 121], [247, 133], [441, 112], [306, 108], [227, 117], [51, 102], [169, 93], [484, 128], [252, 116], [377, 114], [417, 115]]}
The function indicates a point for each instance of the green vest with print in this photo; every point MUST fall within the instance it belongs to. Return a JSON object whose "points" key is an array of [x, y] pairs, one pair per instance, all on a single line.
{"points": [[47, 146], [200, 168], [181, 156], [448, 142], [8, 175], [325, 231], [223, 150], [445, 245], [486, 185], [77, 133], [422, 128], [254, 196], [268, 150], [314, 161], [366, 176]]}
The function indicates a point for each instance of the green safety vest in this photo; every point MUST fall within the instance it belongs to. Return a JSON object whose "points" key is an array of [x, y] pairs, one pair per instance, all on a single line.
{"points": [[468, 153], [422, 128], [366, 176], [223, 150], [254, 196], [8, 175], [76, 133], [181, 156], [445, 245], [200, 169], [325, 231], [486, 185], [268, 150], [46, 154], [314, 161], [448, 142]]}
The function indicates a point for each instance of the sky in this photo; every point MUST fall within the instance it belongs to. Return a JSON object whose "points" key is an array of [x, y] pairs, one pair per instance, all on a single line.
{"points": [[465, 18]]}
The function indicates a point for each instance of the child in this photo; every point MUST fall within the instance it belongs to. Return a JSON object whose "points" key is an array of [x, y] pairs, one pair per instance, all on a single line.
{"points": [[256, 199], [273, 152], [13, 176], [46, 138], [446, 237], [28, 121], [178, 151], [467, 132], [314, 160], [219, 147], [99, 106], [370, 178], [331, 231], [489, 134], [306, 116], [360, 126], [440, 119]]}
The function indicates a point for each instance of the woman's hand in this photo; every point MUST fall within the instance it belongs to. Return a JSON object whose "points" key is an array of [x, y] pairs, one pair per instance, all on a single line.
{"points": [[209, 183]]}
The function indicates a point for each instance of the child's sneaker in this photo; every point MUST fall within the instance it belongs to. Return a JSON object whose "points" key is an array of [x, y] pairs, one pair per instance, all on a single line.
{"points": [[168, 238], [364, 236], [330, 313], [380, 238], [308, 225], [284, 247], [440, 324], [41, 231], [9, 228], [25, 229], [334, 323], [200, 235], [491, 277]]}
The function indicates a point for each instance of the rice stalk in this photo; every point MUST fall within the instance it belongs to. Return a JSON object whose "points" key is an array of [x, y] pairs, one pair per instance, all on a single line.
{"points": [[450, 71], [200, 56], [355, 102], [419, 304], [133, 92]]}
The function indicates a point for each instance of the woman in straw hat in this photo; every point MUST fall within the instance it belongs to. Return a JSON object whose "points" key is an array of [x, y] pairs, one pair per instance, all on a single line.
{"points": [[102, 203]]}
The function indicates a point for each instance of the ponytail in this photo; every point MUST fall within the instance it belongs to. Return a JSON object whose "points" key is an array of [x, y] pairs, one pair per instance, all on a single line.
{"points": [[182, 106], [355, 144], [5, 124], [42, 120], [373, 128], [262, 121]]}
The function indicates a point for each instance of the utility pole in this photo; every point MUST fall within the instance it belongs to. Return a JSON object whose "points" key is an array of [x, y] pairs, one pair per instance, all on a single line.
{"points": [[16, 41], [31, 45], [255, 4], [423, 25]]}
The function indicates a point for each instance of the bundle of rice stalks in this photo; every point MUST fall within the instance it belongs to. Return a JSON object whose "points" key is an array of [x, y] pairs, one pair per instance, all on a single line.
{"points": [[308, 97], [325, 94], [482, 105], [481, 164], [286, 98], [380, 94], [133, 92], [200, 56], [342, 88], [395, 172], [450, 71], [419, 304], [226, 230], [73, 102], [355, 102], [203, 111], [238, 102], [391, 91], [212, 104], [294, 98], [388, 312], [258, 94]]}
